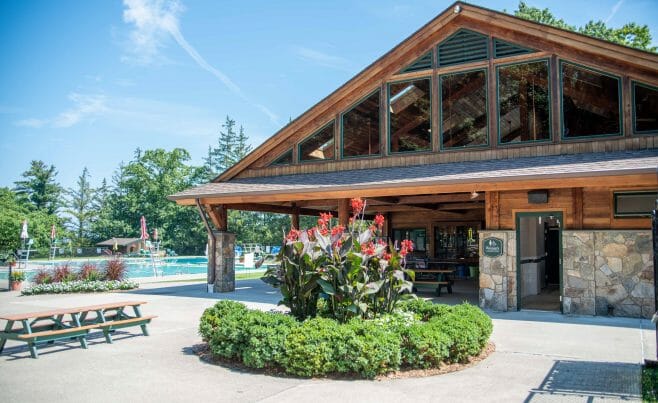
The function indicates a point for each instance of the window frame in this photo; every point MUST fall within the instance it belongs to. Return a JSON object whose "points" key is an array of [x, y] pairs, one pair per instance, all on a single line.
{"points": [[440, 99], [307, 138], [342, 131], [550, 103], [620, 98], [388, 116], [635, 83], [615, 202]]}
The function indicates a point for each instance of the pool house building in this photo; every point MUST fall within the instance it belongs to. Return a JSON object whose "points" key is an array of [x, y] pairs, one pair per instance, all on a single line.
{"points": [[523, 150]]}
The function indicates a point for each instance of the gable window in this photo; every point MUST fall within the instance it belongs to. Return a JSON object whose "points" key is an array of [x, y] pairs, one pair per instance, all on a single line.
{"points": [[422, 63], [645, 108], [318, 146], [523, 102], [409, 110], [360, 128], [591, 103], [635, 204], [464, 109], [284, 159]]}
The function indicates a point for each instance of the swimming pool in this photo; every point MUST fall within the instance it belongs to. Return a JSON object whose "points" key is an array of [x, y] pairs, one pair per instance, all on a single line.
{"points": [[142, 267]]}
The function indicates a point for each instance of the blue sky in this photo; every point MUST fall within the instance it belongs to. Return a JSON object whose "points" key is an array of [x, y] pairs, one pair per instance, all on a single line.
{"points": [[84, 83]]}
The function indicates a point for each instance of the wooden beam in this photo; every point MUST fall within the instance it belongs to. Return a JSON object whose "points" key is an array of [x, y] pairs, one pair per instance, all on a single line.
{"points": [[577, 197], [460, 206], [344, 212], [270, 208], [440, 198], [219, 217]]}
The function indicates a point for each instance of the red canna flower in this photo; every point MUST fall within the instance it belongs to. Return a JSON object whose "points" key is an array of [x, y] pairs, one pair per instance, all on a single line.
{"points": [[379, 221], [386, 256], [338, 229], [357, 205], [324, 220], [406, 246], [368, 249], [293, 235], [323, 231]]}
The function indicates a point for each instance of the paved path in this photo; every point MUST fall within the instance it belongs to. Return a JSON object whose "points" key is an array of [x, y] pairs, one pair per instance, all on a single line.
{"points": [[539, 357]]}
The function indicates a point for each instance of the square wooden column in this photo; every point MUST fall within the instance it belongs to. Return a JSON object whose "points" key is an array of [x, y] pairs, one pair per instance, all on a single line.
{"points": [[344, 212]]}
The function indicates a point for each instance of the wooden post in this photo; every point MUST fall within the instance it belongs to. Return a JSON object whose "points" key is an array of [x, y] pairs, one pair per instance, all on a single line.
{"points": [[294, 217], [220, 218], [577, 195], [492, 210], [344, 212]]}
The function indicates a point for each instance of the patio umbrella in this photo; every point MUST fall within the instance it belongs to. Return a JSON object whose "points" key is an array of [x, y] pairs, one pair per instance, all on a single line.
{"points": [[24, 230], [52, 233], [116, 245], [155, 234], [145, 233]]}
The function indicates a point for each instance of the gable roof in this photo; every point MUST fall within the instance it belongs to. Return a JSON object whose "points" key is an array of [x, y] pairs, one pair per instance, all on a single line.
{"points": [[474, 174], [458, 15]]}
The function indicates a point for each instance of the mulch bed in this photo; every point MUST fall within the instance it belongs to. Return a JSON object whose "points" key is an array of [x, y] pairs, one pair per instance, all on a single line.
{"points": [[204, 353]]}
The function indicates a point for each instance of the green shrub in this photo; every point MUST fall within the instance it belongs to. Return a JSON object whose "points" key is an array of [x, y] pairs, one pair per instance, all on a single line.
{"points": [[374, 349], [321, 346], [211, 317], [424, 345], [317, 347], [425, 309], [265, 334], [464, 333]]}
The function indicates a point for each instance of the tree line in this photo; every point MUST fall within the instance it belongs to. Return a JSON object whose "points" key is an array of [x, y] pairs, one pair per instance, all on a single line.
{"points": [[84, 215]]}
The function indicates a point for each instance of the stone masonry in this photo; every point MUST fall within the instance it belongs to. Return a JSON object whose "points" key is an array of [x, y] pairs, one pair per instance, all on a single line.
{"points": [[604, 272], [224, 261]]}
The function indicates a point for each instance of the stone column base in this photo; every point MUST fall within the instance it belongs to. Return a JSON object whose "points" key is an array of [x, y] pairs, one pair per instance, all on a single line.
{"points": [[224, 261]]}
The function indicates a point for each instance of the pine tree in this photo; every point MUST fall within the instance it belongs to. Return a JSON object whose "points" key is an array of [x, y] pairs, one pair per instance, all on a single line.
{"points": [[242, 146], [81, 207], [39, 187]]}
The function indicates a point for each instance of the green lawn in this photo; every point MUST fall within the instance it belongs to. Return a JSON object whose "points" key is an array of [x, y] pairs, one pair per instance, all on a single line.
{"points": [[238, 276]]}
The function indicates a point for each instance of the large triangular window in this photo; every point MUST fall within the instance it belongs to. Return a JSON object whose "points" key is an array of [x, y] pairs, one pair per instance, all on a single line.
{"points": [[319, 145], [463, 47]]}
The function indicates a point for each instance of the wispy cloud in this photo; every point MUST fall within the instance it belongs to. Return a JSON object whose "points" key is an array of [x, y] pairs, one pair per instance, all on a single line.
{"points": [[85, 106], [157, 20], [614, 10], [31, 122], [322, 59], [131, 115]]}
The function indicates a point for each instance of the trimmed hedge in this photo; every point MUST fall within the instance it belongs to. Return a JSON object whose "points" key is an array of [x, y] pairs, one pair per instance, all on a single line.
{"points": [[421, 335]]}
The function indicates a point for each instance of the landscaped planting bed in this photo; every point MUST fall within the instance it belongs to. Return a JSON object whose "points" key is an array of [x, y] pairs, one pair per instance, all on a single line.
{"points": [[418, 335], [80, 286]]}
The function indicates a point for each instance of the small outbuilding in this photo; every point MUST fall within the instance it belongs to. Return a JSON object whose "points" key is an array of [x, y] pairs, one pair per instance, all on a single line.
{"points": [[122, 245]]}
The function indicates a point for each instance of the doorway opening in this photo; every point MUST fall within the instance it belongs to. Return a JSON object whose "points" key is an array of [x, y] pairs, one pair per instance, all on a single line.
{"points": [[539, 260]]}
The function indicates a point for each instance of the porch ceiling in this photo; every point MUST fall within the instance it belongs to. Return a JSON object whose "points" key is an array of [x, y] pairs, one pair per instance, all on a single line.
{"points": [[620, 168]]}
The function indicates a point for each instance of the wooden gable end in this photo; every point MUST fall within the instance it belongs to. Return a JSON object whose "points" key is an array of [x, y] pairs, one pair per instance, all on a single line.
{"points": [[509, 40]]}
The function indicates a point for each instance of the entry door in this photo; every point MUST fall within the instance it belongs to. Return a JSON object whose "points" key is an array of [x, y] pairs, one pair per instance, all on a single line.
{"points": [[551, 224]]}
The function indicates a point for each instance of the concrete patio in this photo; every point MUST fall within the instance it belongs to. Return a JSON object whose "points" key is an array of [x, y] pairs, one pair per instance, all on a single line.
{"points": [[539, 357]]}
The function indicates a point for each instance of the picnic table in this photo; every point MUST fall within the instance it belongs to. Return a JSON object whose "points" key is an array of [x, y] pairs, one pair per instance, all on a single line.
{"points": [[71, 323], [434, 272]]}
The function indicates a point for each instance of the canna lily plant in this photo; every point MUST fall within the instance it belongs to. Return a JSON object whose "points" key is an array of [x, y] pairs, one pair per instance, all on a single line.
{"points": [[358, 274]]}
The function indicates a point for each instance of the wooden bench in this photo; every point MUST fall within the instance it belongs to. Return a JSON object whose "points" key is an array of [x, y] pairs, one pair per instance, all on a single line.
{"points": [[106, 317]]}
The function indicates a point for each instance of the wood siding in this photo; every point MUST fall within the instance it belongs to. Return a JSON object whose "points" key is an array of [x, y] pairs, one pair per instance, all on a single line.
{"points": [[591, 206]]}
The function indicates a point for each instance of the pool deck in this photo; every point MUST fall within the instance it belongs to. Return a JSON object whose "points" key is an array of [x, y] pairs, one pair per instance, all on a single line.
{"points": [[539, 356]]}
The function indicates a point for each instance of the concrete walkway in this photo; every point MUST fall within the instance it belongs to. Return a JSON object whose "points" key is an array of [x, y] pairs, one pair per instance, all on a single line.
{"points": [[539, 357]]}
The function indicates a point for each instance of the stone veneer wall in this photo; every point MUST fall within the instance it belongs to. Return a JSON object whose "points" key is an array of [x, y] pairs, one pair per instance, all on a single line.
{"points": [[608, 269], [601, 269], [498, 274]]}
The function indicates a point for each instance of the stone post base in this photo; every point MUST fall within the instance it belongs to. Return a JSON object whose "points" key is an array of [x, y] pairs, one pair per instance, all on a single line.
{"points": [[224, 261]]}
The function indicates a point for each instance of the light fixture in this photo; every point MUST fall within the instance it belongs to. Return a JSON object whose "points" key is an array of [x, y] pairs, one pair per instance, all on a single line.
{"points": [[474, 195], [457, 9]]}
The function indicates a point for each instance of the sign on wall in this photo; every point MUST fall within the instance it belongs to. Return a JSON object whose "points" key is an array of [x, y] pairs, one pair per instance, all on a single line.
{"points": [[492, 247]]}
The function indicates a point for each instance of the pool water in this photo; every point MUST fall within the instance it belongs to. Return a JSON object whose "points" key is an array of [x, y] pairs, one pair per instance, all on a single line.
{"points": [[144, 267]]}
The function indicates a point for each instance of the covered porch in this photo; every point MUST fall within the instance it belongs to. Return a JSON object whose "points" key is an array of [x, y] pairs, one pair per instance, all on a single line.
{"points": [[448, 209]]}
